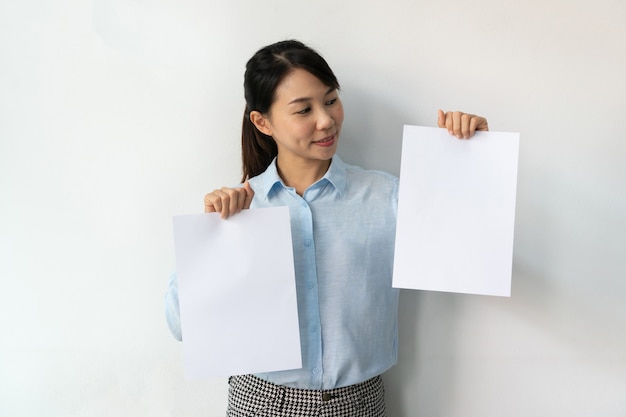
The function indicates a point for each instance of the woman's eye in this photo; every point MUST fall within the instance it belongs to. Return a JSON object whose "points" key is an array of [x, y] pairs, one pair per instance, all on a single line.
{"points": [[304, 111], [331, 102]]}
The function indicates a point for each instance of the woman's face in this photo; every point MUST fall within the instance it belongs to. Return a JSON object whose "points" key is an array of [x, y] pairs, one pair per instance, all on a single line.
{"points": [[304, 119]]}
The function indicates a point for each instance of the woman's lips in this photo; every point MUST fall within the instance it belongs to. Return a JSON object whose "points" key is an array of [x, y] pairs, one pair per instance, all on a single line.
{"points": [[329, 141]]}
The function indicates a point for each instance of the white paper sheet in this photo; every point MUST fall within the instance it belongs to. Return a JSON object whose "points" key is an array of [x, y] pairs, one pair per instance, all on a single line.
{"points": [[456, 212], [237, 293]]}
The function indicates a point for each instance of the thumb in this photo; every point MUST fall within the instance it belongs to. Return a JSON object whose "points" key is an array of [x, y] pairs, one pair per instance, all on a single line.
{"points": [[249, 195]]}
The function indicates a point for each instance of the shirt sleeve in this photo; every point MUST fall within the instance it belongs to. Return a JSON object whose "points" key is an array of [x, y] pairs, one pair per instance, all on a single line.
{"points": [[172, 308]]}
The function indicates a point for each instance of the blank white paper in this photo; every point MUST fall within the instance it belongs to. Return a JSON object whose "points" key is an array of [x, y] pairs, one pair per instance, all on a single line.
{"points": [[456, 212], [237, 293]]}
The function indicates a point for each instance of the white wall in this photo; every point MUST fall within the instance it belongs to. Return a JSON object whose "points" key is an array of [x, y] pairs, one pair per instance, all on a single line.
{"points": [[116, 115]]}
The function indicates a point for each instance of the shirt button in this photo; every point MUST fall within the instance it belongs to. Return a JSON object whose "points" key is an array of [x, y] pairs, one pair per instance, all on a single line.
{"points": [[307, 242], [316, 370]]}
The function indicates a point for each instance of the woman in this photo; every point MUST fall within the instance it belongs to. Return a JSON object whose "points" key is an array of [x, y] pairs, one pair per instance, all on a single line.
{"points": [[343, 229]]}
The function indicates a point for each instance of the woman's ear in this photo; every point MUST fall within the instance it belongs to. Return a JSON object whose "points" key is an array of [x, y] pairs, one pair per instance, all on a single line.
{"points": [[261, 122]]}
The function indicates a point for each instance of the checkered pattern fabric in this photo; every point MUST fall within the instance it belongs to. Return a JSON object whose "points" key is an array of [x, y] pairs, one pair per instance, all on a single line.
{"points": [[249, 396]]}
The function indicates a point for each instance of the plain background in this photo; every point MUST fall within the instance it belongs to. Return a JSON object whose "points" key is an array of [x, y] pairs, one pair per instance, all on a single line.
{"points": [[117, 115]]}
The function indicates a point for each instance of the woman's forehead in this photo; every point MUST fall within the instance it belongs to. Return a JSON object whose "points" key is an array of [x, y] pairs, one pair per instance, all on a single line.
{"points": [[300, 84]]}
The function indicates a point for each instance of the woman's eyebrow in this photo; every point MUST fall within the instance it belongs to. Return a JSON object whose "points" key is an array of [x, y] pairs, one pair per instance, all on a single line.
{"points": [[302, 99]]}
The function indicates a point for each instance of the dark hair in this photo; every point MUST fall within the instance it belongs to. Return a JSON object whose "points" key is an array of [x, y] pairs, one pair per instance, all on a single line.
{"points": [[264, 71]]}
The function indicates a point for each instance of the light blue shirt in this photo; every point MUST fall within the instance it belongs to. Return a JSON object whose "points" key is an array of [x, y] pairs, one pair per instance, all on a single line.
{"points": [[343, 232]]}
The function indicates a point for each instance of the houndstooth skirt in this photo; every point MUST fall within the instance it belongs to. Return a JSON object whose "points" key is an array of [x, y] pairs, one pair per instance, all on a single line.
{"points": [[249, 396]]}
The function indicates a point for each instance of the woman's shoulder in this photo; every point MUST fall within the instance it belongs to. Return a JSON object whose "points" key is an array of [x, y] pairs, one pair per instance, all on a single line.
{"points": [[370, 174], [364, 184]]}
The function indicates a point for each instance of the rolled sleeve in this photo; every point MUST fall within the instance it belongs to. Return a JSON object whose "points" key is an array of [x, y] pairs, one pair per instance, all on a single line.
{"points": [[172, 308]]}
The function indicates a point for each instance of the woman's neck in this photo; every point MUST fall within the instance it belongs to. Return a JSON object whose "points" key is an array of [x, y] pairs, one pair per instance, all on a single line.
{"points": [[301, 174]]}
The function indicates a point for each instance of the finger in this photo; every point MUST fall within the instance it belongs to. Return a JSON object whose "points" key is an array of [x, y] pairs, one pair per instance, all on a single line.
{"points": [[249, 195], [441, 118], [212, 203], [449, 122], [477, 123], [233, 200], [223, 201], [208, 206], [466, 121], [241, 198], [234, 197], [482, 124], [472, 126], [457, 124]]}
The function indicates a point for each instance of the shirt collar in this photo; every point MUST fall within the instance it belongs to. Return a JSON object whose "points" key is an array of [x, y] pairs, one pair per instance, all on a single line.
{"points": [[336, 175]]}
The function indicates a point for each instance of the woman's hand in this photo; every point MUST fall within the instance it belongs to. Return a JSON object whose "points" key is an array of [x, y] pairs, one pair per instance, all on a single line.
{"points": [[229, 201], [462, 125]]}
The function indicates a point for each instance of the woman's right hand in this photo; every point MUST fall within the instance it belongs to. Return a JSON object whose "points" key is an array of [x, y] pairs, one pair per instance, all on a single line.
{"points": [[228, 201]]}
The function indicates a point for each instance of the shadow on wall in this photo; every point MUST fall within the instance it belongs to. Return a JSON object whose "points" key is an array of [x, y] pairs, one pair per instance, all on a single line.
{"points": [[567, 291], [589, 322], [372, 138], [540, 316], [426, 366], [372, 130]]}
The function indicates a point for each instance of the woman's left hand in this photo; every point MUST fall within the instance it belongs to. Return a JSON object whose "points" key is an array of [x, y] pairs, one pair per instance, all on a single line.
{"points": [[462, 125]]}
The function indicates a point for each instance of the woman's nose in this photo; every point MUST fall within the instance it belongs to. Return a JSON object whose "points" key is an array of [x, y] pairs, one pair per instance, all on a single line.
{"points": [[325, 120]]}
